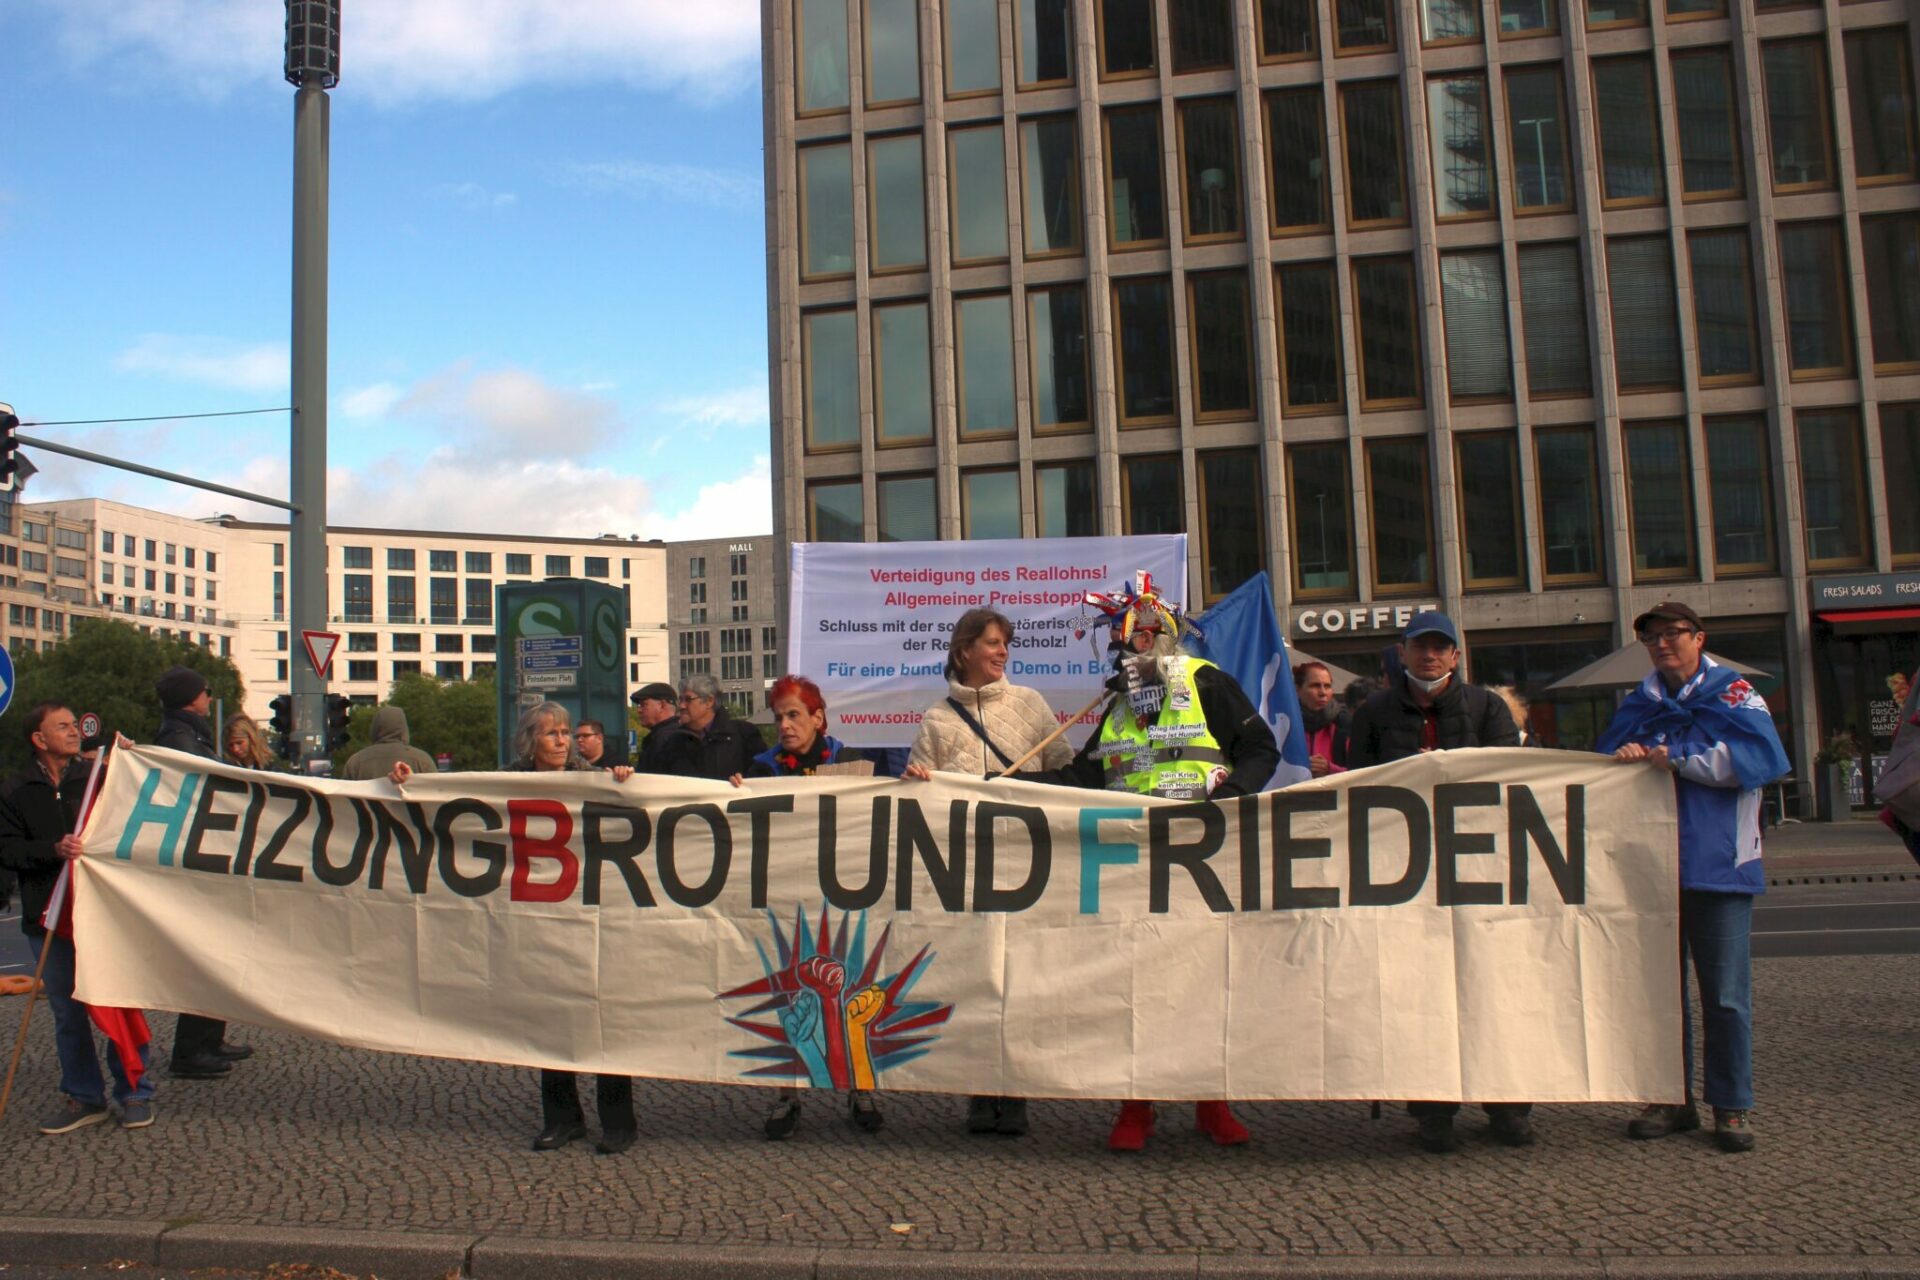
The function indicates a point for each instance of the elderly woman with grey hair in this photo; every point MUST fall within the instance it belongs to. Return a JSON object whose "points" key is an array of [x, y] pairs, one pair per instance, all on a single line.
{"points": [[543, 743]]}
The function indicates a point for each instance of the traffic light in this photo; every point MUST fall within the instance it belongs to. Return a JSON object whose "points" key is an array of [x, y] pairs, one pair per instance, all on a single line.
{"points": [[9, 447], [338, 712], [283, 724]]}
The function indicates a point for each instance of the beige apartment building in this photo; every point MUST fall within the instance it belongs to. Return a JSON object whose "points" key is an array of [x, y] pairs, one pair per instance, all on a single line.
{"points": [[721, 614], [1540, 311]]}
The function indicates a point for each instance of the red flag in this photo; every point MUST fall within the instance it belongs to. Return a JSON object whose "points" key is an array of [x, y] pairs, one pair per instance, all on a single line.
{"points": [[126, 1029]]}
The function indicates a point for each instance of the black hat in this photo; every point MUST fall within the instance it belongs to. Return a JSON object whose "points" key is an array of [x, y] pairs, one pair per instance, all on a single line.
{"points": [[177, 686], [1672, 611], [664, 692]]}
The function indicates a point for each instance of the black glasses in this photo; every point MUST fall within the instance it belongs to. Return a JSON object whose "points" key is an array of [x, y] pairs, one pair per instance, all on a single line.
{"points": [[1670, 635]]}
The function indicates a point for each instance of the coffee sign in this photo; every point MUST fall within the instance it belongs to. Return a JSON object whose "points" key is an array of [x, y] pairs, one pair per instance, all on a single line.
{"points": [[1359, 619]]}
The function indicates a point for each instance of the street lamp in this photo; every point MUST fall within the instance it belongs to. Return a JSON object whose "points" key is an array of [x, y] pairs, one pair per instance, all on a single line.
{"points": [[313, 42]]}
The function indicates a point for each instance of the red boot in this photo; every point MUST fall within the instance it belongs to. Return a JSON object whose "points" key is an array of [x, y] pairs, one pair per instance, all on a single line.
{"points": [[1217, 1122], [1132, 1127]]}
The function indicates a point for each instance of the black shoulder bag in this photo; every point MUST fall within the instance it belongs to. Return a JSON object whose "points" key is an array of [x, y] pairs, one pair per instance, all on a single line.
{"points": [[1006, 761]]}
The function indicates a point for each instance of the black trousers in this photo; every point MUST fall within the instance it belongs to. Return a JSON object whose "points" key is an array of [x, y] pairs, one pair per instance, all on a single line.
{"points": [[197, 1037], [560, 1101], [1417, 1109]]}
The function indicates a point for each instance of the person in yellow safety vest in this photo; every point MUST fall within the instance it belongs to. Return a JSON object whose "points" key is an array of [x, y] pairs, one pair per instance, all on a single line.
{"points": [[1181, 728]]}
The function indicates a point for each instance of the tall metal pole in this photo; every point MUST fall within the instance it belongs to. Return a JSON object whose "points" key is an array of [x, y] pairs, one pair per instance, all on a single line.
{"points": [[307, 537]]}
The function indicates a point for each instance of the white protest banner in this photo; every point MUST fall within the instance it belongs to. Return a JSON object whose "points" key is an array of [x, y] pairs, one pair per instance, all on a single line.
{"points": [[1486, 925], [869, 621]]}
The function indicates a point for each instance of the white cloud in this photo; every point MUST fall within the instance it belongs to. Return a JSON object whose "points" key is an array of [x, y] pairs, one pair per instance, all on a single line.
{"points": [[216, 362], [471, 195], [741, 506], [404, 50], [516, 411], [375, 401], [742, 406], [682, 183]]}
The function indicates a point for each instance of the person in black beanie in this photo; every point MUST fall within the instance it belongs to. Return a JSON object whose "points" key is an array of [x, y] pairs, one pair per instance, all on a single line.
{"points": [[200, 1051]]}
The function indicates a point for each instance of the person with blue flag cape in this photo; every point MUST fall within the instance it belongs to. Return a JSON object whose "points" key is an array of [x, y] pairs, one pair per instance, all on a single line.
{"points": [[1241, 635], [1706, 725]]}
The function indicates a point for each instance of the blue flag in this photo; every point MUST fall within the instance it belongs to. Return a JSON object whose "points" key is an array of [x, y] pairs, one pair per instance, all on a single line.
{"points": [[1241, 636]]}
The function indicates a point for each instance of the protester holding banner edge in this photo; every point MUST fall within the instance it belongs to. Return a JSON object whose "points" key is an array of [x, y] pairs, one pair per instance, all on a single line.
{"points": [[1181, 728], [1703, 723], [985, 725], [39, 816], [804, 747], [1426, 706]]}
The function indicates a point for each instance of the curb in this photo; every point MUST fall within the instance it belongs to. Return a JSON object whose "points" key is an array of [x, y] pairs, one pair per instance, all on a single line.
{"points": [[399, 1255]]}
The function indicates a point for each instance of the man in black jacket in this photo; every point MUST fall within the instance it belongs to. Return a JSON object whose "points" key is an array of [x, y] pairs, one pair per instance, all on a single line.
{"points": [[659, 712], [39, 815], [707, 742], [1427, 707], [200, 1051]]}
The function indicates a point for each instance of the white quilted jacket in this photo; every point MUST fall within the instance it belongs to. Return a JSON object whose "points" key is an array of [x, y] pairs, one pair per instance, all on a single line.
{"points": [[1014, 716]]}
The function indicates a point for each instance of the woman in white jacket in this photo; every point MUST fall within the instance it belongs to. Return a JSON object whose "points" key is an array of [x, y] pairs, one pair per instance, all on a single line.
{"points": [[982, 726]]}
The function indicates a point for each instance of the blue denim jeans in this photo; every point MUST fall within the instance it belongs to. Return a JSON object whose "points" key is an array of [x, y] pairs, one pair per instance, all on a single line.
{"points": [[1716, 931], [73, 1034]]}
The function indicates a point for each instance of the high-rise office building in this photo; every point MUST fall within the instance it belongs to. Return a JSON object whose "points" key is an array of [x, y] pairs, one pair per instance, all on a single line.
{"points": [[1537, 312]]}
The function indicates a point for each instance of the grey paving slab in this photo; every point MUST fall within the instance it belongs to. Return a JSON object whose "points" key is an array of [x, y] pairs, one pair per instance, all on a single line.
{"points": [[314, 1136], [506, 1258], [394, 1255]]}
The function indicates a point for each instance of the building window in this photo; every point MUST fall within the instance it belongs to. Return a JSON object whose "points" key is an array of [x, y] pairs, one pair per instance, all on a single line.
{"points": [[896, 203], [442, 561], [1473, 293], [1880, 104], [990, 504], [985, 356], [591, 567], [350, 557], [1202, 34], [737, 564], [826, 210], [1447, 21], [1151, 499], [1063, 500], [1833, 489], [171, 553], [1363, 26], [1460, 131], [358, 592], [126, 548], [1057, 343], [406, 642], [1136, 196], [1900, 463], [696, 593], [400, 599], [1217, 319], [1813, 278], [907, 509], [106, 543], [1659, 500], [1569, 505], [1297, 160], [1616, 13], [1309, 337], [1723, 329], [153, 548], [1044, 35], [821, 51], [1741, 494], [973, 46], [449, 671], [1708, 123], [362, 642], [1537, 138], [1127, 39], [1376, 172], [477, 562], [1798, 130], [363, 671], [1685, 10], [444, 599], [1231, 548], [1491, 539], [1389, 332], [893, 51], [832, 393], [977, 164], [1397, 503], [1288, 30], [1143, 324], [519, 562], [1553, 310], [1210, 168], [835, 512], [559, 566], [1050, 167], [903, 395], [1320, 500], [1646, 339], [1629, 125], [1892, 246]]}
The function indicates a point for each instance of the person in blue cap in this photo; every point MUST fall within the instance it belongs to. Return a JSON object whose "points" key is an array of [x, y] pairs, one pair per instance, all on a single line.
{"points": [[1426, 706], [1704, 724]]}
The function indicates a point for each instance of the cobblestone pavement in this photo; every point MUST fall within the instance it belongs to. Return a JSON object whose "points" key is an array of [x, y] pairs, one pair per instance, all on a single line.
{"points": [[312, 1135]]}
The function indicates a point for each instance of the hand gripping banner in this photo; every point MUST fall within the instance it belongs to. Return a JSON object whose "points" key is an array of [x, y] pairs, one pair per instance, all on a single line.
{"points": [[1483, 925]]}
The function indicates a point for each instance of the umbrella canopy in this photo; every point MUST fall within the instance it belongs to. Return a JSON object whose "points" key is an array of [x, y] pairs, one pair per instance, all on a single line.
{"points": [[1341, 676], [1628, 666]]}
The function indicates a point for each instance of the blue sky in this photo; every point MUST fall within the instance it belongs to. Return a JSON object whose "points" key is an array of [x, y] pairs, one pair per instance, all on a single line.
{"points": [[548, 265]]}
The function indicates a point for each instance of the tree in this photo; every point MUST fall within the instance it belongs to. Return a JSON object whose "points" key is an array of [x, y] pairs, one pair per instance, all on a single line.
{"points": [[108, 667], [444, 717]]}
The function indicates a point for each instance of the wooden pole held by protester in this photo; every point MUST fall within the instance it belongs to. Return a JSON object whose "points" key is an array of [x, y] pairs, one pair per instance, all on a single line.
{"points": [[1047, 741]]}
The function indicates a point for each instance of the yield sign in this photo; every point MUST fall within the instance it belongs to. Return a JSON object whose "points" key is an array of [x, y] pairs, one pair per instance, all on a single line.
{"points": [[320, 649]]}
